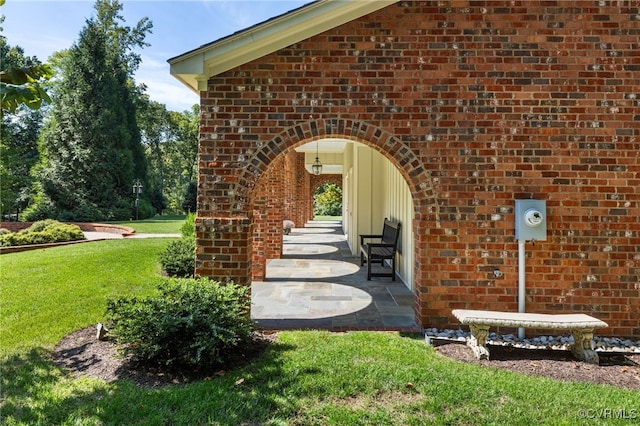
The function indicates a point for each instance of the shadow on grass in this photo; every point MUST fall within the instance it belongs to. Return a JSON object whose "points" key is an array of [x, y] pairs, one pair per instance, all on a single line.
{"points": [[36, 391]]}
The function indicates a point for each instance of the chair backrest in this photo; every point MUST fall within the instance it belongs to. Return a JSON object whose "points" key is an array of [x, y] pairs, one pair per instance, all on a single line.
{"points": [[391, 232]]}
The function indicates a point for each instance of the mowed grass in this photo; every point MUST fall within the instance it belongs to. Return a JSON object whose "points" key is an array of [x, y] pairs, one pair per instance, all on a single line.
{"points": [[305, 378], [169, 224], [48, 293], [328, 218]]}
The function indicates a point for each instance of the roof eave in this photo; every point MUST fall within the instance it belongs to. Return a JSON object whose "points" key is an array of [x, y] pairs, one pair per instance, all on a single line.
{"points": [[195, 67]]}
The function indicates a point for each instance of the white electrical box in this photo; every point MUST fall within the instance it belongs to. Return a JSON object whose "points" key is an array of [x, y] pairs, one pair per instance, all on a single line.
{"points": [[531, 220]]}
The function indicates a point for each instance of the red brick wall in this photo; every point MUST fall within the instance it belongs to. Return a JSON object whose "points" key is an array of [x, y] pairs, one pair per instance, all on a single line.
{"points": [[477, 104], [268, 215], [296, 189]]}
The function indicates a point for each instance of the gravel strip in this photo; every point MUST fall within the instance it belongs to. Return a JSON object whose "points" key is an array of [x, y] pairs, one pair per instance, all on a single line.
{"points": [[602, 344]]}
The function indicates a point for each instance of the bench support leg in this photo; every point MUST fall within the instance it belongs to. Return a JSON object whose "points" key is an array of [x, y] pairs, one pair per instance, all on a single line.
{"points": [[478, 340], [583, 346]]}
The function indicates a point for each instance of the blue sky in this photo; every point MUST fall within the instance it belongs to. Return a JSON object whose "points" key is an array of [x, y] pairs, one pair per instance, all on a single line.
{"points": [[42, 27]]}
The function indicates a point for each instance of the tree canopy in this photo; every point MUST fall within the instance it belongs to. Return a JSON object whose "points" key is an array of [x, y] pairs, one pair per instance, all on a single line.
{"points": [[327, 200], [91, 145], [21, 78], [78, 158], [19, 130]]}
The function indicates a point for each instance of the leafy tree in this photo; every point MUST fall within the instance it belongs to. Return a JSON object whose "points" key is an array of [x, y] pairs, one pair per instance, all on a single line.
{"points": [[19, 129], [190, 202], [183, 158], [171, 146], [92, 149], [22, 86], [327, 200], [21, 78], [154, 121]]}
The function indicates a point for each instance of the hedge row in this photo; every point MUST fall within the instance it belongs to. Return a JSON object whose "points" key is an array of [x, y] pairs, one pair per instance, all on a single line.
{"points": [[41, 232]]}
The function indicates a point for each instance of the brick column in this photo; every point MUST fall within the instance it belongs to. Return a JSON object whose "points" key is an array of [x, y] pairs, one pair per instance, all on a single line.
{"points": [[290, 185], [301, 192], [275, 209], [268, 213], [223, 249]]}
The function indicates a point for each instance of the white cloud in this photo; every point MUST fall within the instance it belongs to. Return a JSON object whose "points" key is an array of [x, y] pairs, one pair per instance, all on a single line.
{"points": [[163, 87]]}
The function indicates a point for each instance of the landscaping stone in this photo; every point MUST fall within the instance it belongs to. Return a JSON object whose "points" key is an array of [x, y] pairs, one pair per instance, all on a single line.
{"points": [[562, 342]]}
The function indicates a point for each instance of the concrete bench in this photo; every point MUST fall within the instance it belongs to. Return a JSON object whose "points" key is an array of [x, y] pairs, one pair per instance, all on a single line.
{"points": [[580, 325]]}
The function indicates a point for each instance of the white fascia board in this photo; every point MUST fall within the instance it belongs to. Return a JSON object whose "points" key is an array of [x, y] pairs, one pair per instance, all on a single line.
{"points": [[268, 37]]}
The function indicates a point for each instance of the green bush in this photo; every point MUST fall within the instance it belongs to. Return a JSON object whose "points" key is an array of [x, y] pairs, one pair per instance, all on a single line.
{"points": [[189, 225], [42, 232], [179, 258], [327, 200], [41, 208], [41, 225], [84, 212], [191, 323], [145, 210], [190, 198]]}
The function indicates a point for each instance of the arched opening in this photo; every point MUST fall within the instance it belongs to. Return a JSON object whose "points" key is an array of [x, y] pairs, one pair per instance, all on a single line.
{"points": [[314, 275], [262, 190], [327, 201]]}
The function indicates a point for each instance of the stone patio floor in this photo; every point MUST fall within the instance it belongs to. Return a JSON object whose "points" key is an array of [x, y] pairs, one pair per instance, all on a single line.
{"points": [[319, 284]]}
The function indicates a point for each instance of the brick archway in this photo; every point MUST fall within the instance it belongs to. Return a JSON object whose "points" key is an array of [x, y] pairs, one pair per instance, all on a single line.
{"points": [[244, 226], [317, 182], [399, 153]]}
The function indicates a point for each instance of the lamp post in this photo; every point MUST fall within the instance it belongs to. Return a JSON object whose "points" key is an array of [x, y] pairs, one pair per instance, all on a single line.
{"points": [[137, 189]]}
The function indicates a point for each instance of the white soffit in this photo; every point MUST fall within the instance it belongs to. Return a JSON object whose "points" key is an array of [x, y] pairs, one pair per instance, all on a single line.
{"points": [[195, 67], [329, 145]]}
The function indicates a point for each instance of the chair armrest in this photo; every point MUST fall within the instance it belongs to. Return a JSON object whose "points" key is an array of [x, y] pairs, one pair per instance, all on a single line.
{"points": [[370, 236], [381, 245], [367, 236]]}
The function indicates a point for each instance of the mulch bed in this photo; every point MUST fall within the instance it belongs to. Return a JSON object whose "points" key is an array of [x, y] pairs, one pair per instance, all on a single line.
{"points": [[83, 355], [616, 369]]}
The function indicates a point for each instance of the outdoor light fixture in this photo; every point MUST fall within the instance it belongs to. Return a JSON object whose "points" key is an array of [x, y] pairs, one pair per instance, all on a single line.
{"points": [[317, 165], [137, 189]]}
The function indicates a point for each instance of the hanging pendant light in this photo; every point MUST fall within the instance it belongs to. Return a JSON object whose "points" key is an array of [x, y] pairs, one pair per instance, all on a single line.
{"points": [[317, 165]]}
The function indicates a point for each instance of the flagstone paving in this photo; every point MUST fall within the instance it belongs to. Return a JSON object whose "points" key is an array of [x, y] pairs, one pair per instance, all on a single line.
{"points": [[318, 283]]}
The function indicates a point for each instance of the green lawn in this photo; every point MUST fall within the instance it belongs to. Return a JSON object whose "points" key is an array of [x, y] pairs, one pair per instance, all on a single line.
{"points": [[306, 378], [169, 224], [48, 293], [330, 218]]}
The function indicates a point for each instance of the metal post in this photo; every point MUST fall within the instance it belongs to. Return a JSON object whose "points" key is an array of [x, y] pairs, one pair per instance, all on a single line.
{"points": [[137, 189]]}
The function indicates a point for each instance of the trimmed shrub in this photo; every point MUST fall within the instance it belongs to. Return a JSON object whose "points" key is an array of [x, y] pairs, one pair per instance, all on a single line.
{"points": [[85, 212], [179, 258], [189, 226], [41, 225], [43, 232], [191, 323]]}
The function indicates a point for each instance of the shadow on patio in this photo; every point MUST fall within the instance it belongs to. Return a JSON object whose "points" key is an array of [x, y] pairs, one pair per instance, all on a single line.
{"points": [[319, 284]]}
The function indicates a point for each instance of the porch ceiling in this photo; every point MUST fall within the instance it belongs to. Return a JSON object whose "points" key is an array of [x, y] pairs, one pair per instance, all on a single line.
{"points": [[329, 152]]}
